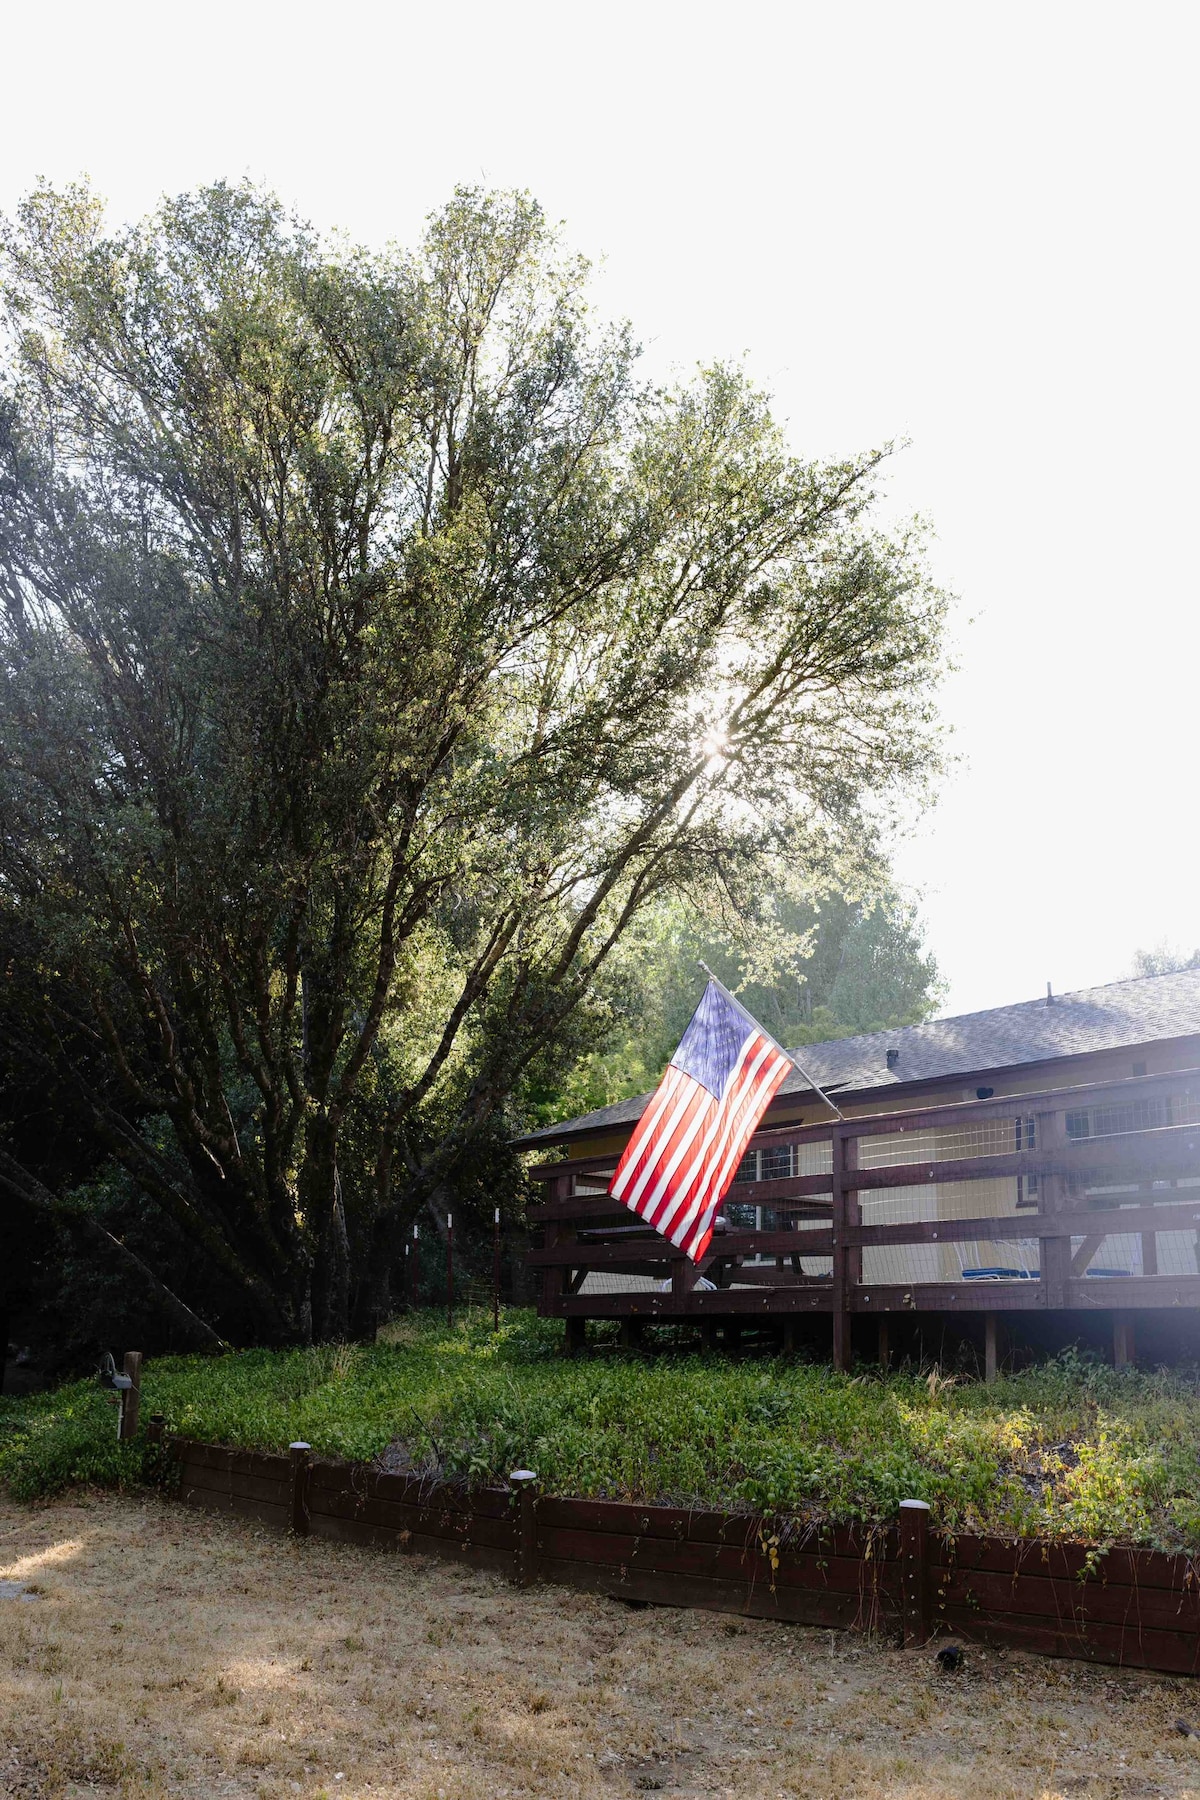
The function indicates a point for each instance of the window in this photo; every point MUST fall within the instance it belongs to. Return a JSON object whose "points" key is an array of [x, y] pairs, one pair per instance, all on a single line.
{"points": [[775, 1164], [1111, 1121]]}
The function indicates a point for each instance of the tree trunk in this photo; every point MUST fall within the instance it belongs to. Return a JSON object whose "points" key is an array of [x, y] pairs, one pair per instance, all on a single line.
{"points": [[321, 1202]]}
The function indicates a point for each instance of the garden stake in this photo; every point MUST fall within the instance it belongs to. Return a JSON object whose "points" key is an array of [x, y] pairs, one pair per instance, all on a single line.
{"points": [[131, 1399], [496, 1272]]}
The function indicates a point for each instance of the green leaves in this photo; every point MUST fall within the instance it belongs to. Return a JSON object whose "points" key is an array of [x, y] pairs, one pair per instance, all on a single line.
{"points": [[1066, 1450], [378, 649]]}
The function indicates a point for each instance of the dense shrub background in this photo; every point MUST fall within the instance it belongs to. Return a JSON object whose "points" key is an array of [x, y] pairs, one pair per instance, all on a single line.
{"points": [[1071, 1449]]}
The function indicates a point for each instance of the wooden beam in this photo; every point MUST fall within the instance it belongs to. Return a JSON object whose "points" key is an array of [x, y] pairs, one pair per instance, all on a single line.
{"points": [[990, 1323], [753, 1275], [654, 1248], [1124, 1090], [647, 1249], [1166, 1215], [1122, 1340], [1135, 1290], [960, 1112], [1085, 1252], [1164, 1152]]}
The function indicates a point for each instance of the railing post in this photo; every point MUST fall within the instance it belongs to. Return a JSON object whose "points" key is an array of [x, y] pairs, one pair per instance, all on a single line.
{"points": [[525, 1482], [554, 1279], [301, 1474], [914, 1571], [684, 1275], [1055, 1252], [847, 1258]]}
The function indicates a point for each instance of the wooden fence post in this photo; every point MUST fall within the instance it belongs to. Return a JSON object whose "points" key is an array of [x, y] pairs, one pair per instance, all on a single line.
{"points": [[131, 1399], [914, 1570], [301, 1473], [525, 1482]]}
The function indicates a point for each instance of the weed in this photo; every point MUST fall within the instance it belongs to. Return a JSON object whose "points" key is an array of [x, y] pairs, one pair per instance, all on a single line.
{"points": [[1069, 1449]]}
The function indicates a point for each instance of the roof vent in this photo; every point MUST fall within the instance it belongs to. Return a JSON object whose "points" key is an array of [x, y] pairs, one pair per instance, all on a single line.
{"points": [[1049, 995], [893, 1057]]}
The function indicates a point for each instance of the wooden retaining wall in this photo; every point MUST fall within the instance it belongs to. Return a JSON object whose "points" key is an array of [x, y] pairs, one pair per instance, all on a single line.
{"points": [[1139, 1608]]}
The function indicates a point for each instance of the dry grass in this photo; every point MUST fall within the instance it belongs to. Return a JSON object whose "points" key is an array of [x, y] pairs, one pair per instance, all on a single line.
{"points": [[168, 1654]]}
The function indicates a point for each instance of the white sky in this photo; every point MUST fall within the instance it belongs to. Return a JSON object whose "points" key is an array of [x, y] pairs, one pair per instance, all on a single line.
{"points": [[972, 226]]}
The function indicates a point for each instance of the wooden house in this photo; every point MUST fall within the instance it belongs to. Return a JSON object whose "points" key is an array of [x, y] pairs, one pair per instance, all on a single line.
{"points": [[1031, 1157]]}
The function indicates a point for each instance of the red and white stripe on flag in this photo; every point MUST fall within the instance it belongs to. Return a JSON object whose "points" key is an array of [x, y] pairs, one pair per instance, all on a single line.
{"points": [[678, 1164]]}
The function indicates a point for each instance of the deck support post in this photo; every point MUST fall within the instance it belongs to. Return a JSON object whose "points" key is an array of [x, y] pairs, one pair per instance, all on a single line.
{"points": [[990, 1323], [843, 1359], [575, 1339], [708, 1334], [789, 1336], [631, 1332], [914, 1571], [885, 1348], [1122, 1340]]}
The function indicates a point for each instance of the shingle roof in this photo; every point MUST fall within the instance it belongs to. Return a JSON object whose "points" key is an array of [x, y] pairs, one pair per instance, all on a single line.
{"points": [[1144, 1011]]}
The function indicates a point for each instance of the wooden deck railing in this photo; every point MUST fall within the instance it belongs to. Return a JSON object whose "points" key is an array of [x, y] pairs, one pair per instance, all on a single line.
{"points": [[1060, 1172]]}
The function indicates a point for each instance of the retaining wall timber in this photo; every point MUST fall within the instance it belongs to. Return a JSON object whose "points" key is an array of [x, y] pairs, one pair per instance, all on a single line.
{"points": [[1139, 1608]]}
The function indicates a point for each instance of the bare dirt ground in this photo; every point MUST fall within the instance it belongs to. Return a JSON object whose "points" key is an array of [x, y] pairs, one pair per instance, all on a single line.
{"points": [[164, 1653]]}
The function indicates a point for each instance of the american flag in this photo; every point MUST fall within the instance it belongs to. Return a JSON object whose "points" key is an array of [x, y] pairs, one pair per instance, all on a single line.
{"points": [[681, 1158]]}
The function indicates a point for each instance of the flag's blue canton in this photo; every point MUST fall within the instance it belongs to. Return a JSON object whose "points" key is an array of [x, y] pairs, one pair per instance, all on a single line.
{"points": [[710, 1045]]}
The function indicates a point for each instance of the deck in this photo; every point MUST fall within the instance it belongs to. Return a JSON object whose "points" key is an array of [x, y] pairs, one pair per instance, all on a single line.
{"points": [[1075, 1200]]}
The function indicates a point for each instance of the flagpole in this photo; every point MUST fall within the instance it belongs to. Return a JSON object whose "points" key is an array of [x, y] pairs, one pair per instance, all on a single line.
{"points": [[790, 1054]]}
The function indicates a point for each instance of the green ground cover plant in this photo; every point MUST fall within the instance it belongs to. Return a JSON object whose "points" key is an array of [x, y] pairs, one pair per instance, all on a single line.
{"points": [[1069, 1449]]}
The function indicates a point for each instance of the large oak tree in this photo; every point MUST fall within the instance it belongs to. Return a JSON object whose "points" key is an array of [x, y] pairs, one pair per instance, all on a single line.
{"points": [[376, 645]]}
